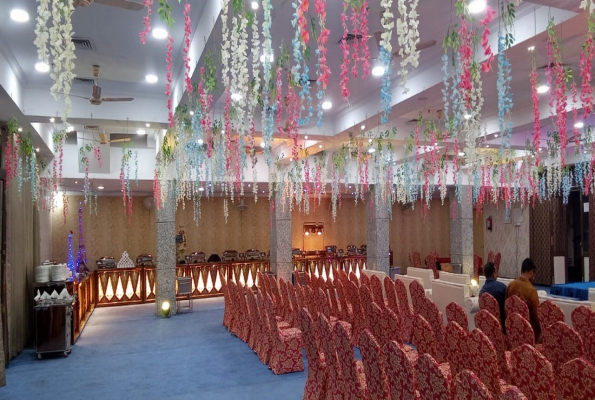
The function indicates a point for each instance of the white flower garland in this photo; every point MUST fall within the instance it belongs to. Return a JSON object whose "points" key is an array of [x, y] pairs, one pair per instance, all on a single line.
{"points": [[225, 45], [387, 24], [41, 31], [407, 25], [235, 60]]}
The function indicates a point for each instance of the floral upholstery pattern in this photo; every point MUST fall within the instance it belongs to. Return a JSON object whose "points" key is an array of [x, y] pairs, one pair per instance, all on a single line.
{"points": [[469, 387], [316, 382], [227, 306], [477, 263], [423, 336], [332, 294], [391, 295], [364, 280], [431, 263], [418, 294], [490, 326], [253, 321], [405, 311], [376, 287], [346, 310], [286, 353], [434, 383], [519, 331], [497, 259], [488, 302], [532, 373], [456, 313], [392, 325], [284, 301], [266, 344], [373, 366], [399, 372], [456, 347], [323, 303], [334, 387], [561, 343], [549, 313], [365, 296], [583, 320], [514, 304], [415, 259], [434, 317], [590, 348], [513, 393], [491, 256], [307, 281], [484, 362], [577, 380], [353, 376], [275, 296], [377, 324], [295, 306], [353, 278], [233, 299], [359, 319]]}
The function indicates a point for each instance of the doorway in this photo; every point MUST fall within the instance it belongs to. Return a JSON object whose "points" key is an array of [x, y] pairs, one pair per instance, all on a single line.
{"points": [[575, 232]]}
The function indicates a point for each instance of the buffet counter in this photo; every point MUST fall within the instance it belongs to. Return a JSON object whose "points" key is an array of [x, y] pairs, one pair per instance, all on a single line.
{"points": [[86, 297], [121, 286], [323, 266]]}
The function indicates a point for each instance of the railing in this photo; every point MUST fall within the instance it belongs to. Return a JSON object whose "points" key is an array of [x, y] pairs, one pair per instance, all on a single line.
{"points": [[324, 266], [120, 286], [84, 304]]}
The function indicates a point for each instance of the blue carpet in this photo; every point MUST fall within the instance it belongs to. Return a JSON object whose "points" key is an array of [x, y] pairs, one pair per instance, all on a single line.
{"points": [[128, 353], [579, 290]]}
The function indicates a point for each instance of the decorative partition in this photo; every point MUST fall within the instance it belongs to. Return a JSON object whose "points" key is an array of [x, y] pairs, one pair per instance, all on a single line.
{"points": [[324, 266], [86, 297], [124, 286]]}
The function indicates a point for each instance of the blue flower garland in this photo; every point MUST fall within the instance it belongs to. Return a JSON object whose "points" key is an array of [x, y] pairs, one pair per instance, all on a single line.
{"points": [[504, 94], [385, 91]]}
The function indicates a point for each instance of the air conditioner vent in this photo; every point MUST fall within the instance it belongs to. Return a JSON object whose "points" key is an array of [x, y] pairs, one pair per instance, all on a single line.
{"points": [[82, 44], [91, 127]]}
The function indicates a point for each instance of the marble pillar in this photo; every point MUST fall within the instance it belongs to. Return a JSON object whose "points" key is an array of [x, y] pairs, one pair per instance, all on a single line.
{"points": [[166, 255], [378, 257], [2, 357], [461, 231], [280, 240]]}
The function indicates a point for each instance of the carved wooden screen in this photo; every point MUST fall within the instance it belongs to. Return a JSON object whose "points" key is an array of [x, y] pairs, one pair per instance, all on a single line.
{"points": [[541, 243]]}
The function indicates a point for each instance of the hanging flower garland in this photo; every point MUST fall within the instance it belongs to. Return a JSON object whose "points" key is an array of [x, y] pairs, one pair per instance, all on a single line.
{"points": [[168, 59], [186, 48], [558, 95], [323, 69], [97, 152], [586, 60], [487, 50], [536, 114], [386, 51], [146, 21], [41, 31], [408, 35]]}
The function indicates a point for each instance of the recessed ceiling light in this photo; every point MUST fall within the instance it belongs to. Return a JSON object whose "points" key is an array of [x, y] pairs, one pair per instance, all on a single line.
{"points": [[200, 142], [271, 58], [20, 129], [477, 6], [255, 5], [378, 70], [151, 78], [543, 89], [100, 187], [327, 105], [320, 146], [70, 128], [541, 149], [191, 112], [363, 127], [306, 137], [462, 154], [160, 33], [76, 182], [488, 146], [436, 144], [236, 96], [263, 144], [467, 116], [349, 186], [37, 149], [579, 125], [263, 191], [52, 120], [42, 67], [201, 189], [140, 132], [496, 135], [148, 125], [371, 150], [531, 48], [19, 15], [370, 140], [291, 159]]}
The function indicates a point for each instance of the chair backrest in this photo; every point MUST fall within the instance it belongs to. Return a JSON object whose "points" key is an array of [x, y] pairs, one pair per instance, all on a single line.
{"points": [[365, 296], [583, 320], [561, 343], [468, 386], [391, 294], [377, 323], [484, 361], [353, 278], [295, 306], [327, 342], [402, 296], [455, 312], [373, 366], [590, 348], [519, 331], [491, 327], [514, 304], [477, 263], [312, 300], [456, 347], [488, 302], [332, 294], [302, 303], [342, 300], [392, 326], [364, 280], [359, 317], [309, 335], [268, 303], [376, 287], [433, 383], [436, 320], [418, 294], [399, 372], [577, 380], [549, 313], [323, 303], [423, 336], [497, 259], [416, 260], [532, 373], [491, 256], [285, 300], [513, 393], [353, 384], [431, 264], [307, 280], [255, 320]]}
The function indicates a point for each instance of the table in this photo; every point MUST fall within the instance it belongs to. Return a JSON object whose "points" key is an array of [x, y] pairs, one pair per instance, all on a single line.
{"points": [[579, 290]]}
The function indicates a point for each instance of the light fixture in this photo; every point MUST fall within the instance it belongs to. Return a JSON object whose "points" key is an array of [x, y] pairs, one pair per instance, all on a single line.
{"points": [[140, 132], [579, 125], [306, 137], [148, 125], [255, 5], [200, 142], [165, 309], [263, 191], [496, 135], [19, 15], [462, 154], [531, 48], [37, 150], [271, 58], [327, 105], [473, 282], [477, 6], [488, 146], [70, 128], [160, 33], [263, 144], [436, 144], [191, 112], [467, 116], [76, 182], [378, 70], [349, 186], [20, 129], [42, 67], [363, 127], [249, 185], [320, 146], [236, 96], [291, 159], [52, 120], [307, 233], [370, 140], [151, 78], [319, 232], [201, 189], [100, 187], [371, 150], [543, 89]]}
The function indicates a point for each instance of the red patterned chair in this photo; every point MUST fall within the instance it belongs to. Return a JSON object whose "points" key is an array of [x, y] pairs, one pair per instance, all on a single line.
{"points": [[434, 317], [418, 294], [434, 382], [307, 281], [497, 259], [488, 302], [590, 348], [327, 340], [456, 313], [359, 319], [235, 325], [513, 393], [405, 311], [377, 296], [415, 259], [253, 318], [353, 278], [431, 263], [423, 337], [477, 265], [393, 326], [399, 371], [301, 299], [284, 300], [295, 303], [364, 280], [469, 387], [577, 380], [484, 362], [561, 343], [276, 296], [456, 347], [324, 304], [583, 320], [391, 295], [371, 352], [286, 354], [490, 326], [353, 375], [377, 324], [332, 294], [519, 332], [366, 299], [532, 373], [346, 310], [317, 380], [491, 256], [266, 344], [514, 304], [226, 304], [549, 313]]}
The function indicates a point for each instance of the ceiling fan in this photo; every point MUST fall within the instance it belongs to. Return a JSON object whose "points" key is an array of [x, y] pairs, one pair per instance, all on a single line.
{"points": [[420, 46], [104, 140], [96, 98], [125, 4]]}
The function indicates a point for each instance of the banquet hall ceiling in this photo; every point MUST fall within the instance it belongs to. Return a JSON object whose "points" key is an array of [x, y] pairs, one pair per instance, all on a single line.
{"points": [[125, 62]]}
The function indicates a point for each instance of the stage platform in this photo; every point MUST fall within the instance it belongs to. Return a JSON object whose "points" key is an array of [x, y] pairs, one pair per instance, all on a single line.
{"points": [[578, 290]]}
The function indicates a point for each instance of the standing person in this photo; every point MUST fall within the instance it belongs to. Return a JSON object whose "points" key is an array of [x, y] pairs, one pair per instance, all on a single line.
{"points": [[496, 289], [523, 287]]}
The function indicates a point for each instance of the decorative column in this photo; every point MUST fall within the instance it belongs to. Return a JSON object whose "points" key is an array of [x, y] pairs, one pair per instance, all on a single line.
{"points": [[165, 284], [378, 257], [461, 231], [280, 239]]}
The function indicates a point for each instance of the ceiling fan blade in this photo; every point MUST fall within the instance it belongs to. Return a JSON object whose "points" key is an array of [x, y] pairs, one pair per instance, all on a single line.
{"points": [[119, 140], [112, 99], [127, 5]]}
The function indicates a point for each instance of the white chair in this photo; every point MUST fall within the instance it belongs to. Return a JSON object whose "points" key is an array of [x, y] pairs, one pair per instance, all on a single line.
{"points": [[407, 280], [426, 275], [446, 292], [462, 279], [184, 292]]}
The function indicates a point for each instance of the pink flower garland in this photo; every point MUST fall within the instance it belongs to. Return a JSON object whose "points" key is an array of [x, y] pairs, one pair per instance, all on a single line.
{"points": [[364, 30], [486, 66], [279, 100], [187, 32], [355, 31], [157, 190], [575, 132], [65, 207], [536, 117], [147, 21], [302, 11], [465, 54], [8, 161], [585, 64], [97, 151], [227, 128], [345, 51], [325, 71], [170, 42]]}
